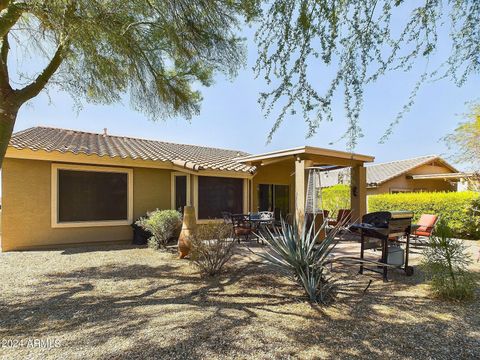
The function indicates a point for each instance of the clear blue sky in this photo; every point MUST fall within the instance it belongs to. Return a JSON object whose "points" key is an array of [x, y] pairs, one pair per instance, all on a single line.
{"points": [[231, 117]]}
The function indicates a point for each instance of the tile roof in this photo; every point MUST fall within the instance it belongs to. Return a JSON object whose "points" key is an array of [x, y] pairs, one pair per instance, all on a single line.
{"points": [[79, 142], [380, 173]]}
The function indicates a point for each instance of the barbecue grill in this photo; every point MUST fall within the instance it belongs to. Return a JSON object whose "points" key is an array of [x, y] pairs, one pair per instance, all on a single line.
{"points": [[379, 227]]}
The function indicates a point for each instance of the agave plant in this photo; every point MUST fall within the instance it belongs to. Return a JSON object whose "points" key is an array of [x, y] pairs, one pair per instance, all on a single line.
{"points": [[302, 256]]}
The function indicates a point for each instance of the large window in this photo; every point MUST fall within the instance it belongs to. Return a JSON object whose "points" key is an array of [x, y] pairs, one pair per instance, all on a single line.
{"points": [[217, 194], [89, 196]]}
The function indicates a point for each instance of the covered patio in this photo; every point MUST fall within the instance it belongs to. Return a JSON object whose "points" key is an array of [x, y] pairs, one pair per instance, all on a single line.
{"points": [[280, 181]]}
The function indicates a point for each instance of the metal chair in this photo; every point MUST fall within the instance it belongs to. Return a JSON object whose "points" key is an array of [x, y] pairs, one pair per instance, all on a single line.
{"points": [[266, 215], [241, 226], [424, 228]]}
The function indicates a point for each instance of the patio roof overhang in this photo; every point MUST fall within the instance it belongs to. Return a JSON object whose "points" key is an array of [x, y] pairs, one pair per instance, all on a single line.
{"points": [[305, 158], [318, 156]]}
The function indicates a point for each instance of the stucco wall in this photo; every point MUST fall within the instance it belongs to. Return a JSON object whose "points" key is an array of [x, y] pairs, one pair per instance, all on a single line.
{"points": [[26, 207], [277, 174], [401, 182]]}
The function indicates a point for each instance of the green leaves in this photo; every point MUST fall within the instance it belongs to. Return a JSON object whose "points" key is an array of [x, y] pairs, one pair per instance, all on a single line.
{"points": [[466, 139], [446, 261], [455, 208], [335, 198], [153, 49], [163, 224], [311, 51]]}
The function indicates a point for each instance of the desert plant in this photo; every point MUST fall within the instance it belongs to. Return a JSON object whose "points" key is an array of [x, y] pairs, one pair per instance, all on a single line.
{"points": [[163, 224], [302, 257], [212, 247], [446, 263]]}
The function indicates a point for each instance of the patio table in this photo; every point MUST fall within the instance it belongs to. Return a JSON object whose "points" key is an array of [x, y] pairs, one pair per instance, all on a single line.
{"points": [[258, 224]]}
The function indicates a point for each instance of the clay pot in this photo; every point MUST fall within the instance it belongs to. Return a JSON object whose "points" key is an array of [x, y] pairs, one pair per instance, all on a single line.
{"points": [[189, 227]]}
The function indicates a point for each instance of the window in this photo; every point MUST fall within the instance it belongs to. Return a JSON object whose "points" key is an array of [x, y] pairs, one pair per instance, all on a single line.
{"points": [[274, 198], [91, 196], [180, 190], [217, 194], [399, 190]]}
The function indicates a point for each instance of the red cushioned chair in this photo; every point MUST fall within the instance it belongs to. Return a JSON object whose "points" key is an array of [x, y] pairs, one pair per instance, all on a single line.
{"points": [[344, 216], [425, 227]]}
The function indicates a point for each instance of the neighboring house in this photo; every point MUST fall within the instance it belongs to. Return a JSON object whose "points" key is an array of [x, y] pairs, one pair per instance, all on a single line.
{"points": [[69, 187], [425, 173]]}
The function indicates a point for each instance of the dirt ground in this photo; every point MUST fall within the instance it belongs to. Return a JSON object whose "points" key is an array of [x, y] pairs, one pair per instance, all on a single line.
{"points": [[123, 302]]}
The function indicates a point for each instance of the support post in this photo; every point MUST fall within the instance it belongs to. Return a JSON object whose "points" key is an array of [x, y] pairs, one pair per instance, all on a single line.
{"points": [[301, 179], [358, 192]]}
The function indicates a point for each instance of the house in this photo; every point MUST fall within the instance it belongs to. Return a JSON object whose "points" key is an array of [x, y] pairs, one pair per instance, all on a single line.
{"points": [[425, 173], [64, 186]]}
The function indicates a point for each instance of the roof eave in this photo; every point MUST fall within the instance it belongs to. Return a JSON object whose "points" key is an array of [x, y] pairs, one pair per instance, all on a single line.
{"points": [[95, 159], [305, 150]]}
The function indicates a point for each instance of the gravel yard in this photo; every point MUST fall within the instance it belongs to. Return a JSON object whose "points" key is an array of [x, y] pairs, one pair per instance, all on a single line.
{"points": [[124, 302]]}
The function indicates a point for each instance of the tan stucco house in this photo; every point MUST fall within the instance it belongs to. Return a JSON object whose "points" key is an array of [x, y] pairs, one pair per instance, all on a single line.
{"points": [[69, 187], [424, 173]]}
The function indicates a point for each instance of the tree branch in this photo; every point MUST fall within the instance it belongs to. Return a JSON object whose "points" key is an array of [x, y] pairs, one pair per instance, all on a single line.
{"points": [[4, 4], [9, 16], [4, 78], [34, 88]]}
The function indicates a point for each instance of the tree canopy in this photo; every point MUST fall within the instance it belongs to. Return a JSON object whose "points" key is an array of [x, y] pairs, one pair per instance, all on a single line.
{"points": [[156, 51], [465, 140], [358, 41], [160, 51]]}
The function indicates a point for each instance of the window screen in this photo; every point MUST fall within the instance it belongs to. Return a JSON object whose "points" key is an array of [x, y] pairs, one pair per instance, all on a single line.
{"points": [[180, 192], [92, 196], [216, 194]]}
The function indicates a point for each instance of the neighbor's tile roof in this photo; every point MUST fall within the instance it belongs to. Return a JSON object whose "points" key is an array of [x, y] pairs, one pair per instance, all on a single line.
{"points": [[379, 173], [79, 142]]}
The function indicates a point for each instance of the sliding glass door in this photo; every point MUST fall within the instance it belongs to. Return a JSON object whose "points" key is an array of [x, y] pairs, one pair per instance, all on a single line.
{"points": [[274, 198]]}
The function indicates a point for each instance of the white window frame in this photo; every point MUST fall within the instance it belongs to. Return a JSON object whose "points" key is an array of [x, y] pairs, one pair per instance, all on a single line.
{"points": [[173, 189], [71, 224]]}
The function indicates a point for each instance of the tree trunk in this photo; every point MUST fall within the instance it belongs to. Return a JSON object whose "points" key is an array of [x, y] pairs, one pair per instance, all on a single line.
{"points": [[8, 115]]}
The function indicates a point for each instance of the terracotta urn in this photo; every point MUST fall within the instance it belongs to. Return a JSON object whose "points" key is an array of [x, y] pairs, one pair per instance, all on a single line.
{"points": [[189, 227]]}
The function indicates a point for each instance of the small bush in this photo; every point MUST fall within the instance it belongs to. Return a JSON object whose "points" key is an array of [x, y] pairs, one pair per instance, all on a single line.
{"points": [[163, 224], [446, 263], [212, 247], [455, 208]]}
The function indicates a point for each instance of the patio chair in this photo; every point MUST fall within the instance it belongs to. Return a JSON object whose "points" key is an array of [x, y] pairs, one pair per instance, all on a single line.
{"points": [[344, 216], [241, 226], [266, 215], [254, 215], [424, 228]]}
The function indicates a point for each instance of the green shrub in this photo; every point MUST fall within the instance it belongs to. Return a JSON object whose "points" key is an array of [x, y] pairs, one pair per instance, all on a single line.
{"points": [[446, 261], [335, 198], [456, 209], [212, 247], [164, 226]]}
